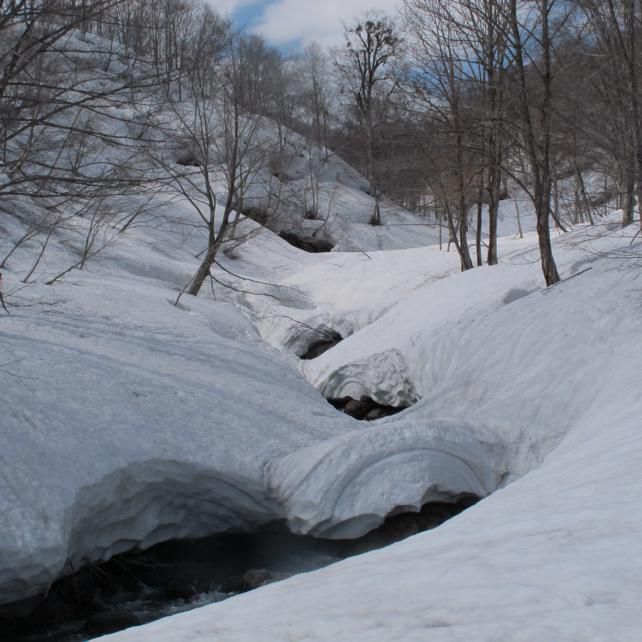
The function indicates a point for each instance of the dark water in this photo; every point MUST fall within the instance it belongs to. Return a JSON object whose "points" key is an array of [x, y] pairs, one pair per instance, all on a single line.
{"points": [[142, 586]]}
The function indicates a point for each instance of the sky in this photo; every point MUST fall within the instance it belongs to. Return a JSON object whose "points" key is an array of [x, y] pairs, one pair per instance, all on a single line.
{"points": [[296, 23]]}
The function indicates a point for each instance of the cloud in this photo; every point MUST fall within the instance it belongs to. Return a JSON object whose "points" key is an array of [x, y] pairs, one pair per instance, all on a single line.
{"points": [[303, 21]]}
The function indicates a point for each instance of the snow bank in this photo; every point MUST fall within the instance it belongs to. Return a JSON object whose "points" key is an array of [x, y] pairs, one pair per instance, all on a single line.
{"points": [[128, 422], [544, 387], [345, 487]]}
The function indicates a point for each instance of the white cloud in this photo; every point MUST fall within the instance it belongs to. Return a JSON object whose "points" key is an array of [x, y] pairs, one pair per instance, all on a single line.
{"points": [[286, 21]]}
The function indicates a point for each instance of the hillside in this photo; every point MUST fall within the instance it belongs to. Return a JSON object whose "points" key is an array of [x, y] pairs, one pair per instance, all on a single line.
{"points": [[322, 392]]}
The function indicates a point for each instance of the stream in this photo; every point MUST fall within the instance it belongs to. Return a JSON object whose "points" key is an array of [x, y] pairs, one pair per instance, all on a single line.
{"points": [[142, 586]]}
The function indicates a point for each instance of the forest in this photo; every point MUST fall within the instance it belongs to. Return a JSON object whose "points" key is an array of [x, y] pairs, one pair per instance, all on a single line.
{"points": [[438, 108]]}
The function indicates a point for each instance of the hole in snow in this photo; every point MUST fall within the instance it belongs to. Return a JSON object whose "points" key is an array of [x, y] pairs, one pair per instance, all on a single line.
{"points": [[257, 214], [365, 408], [307, 243], [514, 295], [142, 586], [188, 160], [327, 340]]}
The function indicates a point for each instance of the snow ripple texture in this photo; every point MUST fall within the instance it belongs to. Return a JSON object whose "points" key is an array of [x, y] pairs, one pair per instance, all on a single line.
{"points": [[345, 487], [123, 432]]}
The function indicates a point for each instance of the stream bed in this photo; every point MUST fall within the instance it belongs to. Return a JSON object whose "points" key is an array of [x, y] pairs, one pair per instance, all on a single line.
{"points": [[142, 586]]}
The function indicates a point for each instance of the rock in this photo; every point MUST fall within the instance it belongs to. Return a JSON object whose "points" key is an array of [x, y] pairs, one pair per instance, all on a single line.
{"points": [[110, 622], [358, 409], [364, 408], [317, 348], [180, 589], [257, 577], [377, 413], [233, 585], [252, 579], [340, 402], [188, 160]]}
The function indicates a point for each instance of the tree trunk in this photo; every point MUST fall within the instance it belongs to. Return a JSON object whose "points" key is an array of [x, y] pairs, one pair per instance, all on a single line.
{"points": [[205, 267], [542, 210], [628, 194], [538, 149]]}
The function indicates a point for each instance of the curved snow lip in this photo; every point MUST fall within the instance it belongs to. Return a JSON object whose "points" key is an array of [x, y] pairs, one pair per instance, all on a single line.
{"points": [[155, 500], [300, 342], [137, 506], [383, 376], [301, 334], [347, 486], [340, 488]]}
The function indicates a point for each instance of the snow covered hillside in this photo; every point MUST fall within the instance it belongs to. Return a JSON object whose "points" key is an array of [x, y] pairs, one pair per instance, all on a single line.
{"points": [[132, 418], [131, 421], [515, 381]]}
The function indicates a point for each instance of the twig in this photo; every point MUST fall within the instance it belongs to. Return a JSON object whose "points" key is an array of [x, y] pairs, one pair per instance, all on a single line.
{"points": [[1, 297]]}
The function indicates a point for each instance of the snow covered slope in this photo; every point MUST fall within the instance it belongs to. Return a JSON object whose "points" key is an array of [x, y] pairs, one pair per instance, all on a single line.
{"points": [[127, 421], [545, 383]]}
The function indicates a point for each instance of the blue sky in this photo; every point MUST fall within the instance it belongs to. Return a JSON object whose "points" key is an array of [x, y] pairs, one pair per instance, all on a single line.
{"points": [[295, 23], [250, 14]]}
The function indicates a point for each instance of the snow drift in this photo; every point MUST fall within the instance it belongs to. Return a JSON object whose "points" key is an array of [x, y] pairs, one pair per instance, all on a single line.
{"points": [[543, 388]]}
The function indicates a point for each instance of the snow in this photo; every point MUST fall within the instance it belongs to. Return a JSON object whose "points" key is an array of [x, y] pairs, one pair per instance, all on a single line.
{"points": [[129, 421], [542, 388], [108, 358], [133, 421], [170, 417]]}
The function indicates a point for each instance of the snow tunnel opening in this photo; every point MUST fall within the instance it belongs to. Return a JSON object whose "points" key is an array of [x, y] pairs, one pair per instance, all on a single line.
{"points": [[138, 586], [307, 243], [327, 339], [365, 408]]}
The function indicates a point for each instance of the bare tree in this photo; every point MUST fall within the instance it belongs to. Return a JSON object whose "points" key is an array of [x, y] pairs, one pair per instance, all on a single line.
{"points": [[317, 94], [532, 38], [366, 68], [440, 76], [613, 30], [211, 148]]}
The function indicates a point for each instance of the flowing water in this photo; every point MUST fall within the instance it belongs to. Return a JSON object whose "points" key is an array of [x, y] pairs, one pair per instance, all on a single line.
{"points": [[142, 586]]}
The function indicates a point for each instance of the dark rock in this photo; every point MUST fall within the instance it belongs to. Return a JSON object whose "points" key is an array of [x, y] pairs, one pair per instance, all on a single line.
{"points": [[339, 402], [359, 409], [376, 413], [250, 580], [110, 622], [188, 160], [257, 577], [233, 585], [180, 589], [364, 408], [307, 243]]}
